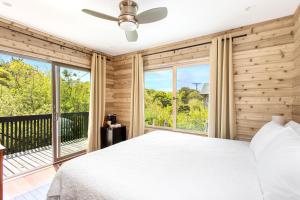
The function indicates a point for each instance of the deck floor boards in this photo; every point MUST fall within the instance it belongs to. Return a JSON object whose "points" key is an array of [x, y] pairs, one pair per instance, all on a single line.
{"points": [[17, 163]]}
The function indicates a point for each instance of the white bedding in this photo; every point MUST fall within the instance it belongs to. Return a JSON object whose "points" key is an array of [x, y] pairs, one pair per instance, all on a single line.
{"points": [[161, 165]]}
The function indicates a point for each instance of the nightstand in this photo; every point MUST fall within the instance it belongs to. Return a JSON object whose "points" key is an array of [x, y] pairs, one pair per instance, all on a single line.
{"points": [[110, 136]]}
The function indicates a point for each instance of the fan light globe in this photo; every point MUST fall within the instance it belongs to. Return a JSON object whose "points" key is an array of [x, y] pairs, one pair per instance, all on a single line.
{"points": [[128, 26]]}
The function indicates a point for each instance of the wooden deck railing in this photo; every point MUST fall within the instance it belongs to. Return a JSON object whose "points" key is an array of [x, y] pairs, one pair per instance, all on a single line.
{"points": [[21, 133]]}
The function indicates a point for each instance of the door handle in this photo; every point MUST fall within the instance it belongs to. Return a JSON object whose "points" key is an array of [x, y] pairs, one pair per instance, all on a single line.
{"points": [[56, 116]]}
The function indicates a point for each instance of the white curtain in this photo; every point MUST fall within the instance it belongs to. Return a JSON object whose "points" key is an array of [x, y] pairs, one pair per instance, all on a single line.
{"points": [[137, 97], [222, 117], [97, 101]]}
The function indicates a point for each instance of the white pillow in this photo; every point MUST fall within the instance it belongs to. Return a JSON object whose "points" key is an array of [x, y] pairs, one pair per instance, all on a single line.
{"points": [[279, 167], [263, 137], [294, 125]]}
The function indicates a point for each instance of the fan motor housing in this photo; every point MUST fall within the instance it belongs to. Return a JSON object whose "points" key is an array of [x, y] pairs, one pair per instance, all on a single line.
{"points": [[128, 7], [128, 10]]}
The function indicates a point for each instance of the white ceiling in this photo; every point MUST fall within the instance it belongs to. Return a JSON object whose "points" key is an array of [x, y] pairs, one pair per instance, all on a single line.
{"points": [[186, 19]]}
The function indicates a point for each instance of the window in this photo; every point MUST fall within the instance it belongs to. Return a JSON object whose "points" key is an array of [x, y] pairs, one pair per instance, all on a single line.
{"points": [[177, 98]]}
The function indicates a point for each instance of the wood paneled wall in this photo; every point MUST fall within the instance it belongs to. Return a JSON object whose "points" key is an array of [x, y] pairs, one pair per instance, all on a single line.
{"points": [[264, 71], [18, 39], [110, 81], [121, 96], [263, 75], [296, 83]]}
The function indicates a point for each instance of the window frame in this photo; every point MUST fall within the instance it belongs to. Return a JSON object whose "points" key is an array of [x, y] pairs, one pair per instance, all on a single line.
{"points": [[174, 67]]}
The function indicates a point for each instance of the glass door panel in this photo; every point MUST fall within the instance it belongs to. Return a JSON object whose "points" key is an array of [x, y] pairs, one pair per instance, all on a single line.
{"points": [[192, 94], [72, 110], [158, 98]]}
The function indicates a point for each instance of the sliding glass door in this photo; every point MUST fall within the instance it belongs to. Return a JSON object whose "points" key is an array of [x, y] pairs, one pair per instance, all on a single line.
{"points": [[44, 109], [25, 113], [177, 98], [72, 94]]}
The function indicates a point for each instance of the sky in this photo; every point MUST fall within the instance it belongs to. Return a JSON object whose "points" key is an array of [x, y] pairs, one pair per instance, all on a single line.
{"points": [[45, 66], [186, 76], [41, 65]]}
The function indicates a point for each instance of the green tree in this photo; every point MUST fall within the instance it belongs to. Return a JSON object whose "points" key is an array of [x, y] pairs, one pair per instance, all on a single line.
{"points": [[158, 108], [4, 77], [74, 93], [27, 90], [192, 111]]}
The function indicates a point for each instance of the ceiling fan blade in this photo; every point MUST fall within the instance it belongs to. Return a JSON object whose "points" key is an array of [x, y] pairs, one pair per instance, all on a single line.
{"points": [[152, 15], [131, 36], [99, 15]]}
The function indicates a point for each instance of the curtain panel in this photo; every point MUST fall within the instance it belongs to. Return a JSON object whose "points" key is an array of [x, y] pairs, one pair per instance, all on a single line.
{"points": [[222, 116], [97, 101], [137, 122]]}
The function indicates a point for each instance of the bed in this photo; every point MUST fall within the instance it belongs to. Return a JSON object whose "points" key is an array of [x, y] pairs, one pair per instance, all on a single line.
{"points": [[161, 165]]}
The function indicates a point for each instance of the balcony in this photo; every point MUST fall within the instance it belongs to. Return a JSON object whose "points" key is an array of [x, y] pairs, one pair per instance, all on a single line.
{"points": [[28, 140]]}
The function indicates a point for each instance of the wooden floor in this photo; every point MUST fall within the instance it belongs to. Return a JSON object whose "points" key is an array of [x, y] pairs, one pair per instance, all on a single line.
{"points": [[19, 163], [32, 186], [39, 193]]}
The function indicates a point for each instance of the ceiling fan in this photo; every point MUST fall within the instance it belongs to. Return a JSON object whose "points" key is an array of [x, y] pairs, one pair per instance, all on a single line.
{"points": [[129, 20]]}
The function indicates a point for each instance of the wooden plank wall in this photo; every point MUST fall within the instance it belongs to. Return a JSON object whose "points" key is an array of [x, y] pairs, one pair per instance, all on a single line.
{"points": [[121, 96], [110, 81], [263, 75], [263, 66], [18, 39], [296, 83]]}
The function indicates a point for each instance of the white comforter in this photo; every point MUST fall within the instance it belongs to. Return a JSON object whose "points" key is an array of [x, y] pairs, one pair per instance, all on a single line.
{"points": [[161, 165]]}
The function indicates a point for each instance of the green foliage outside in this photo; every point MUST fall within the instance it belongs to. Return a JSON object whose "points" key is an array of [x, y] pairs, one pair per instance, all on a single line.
{"points": [[191, 108], [158, 108], [25, 90], [75, 95]]}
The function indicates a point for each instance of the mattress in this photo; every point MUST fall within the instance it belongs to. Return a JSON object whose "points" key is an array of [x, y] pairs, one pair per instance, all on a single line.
{"points": [[161, 165]]}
